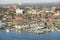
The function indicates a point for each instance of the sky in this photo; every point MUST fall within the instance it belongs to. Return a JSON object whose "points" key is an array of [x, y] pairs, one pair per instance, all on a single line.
{"points": [[26, 1]]}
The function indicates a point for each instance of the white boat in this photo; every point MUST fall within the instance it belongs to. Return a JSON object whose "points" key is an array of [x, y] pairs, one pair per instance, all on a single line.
{"points": [[7, 30], [52, 30], [12, 29], [58, 30]]}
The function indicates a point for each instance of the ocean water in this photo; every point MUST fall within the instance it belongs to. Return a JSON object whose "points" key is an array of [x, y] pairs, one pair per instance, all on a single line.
{"points": [[13, 35]]}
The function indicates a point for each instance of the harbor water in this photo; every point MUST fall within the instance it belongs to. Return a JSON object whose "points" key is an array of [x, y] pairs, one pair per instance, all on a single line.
{"points": [[13, 35]]}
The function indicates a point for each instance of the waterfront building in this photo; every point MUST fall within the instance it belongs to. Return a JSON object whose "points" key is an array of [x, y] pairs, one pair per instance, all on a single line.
{"points": [[19, 11], [53, 8]]}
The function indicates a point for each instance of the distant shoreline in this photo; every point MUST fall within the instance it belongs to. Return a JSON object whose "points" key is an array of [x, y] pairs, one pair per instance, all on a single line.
{"points": [[32, 4]]}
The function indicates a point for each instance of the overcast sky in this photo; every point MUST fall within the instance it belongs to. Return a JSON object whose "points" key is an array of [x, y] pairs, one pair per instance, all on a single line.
{"points": [[26, 1]]}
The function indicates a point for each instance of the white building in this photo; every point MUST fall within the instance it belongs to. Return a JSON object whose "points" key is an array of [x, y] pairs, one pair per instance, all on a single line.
{"points": [[32, 11], [56, 14], [19, 11]]}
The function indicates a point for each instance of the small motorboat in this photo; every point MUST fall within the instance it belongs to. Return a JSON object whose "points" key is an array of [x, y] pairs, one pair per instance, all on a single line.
{"points": [[7, 30]]}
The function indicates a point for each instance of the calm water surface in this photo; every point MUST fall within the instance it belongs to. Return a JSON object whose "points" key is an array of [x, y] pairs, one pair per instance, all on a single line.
{"points": [[13, 35]]}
